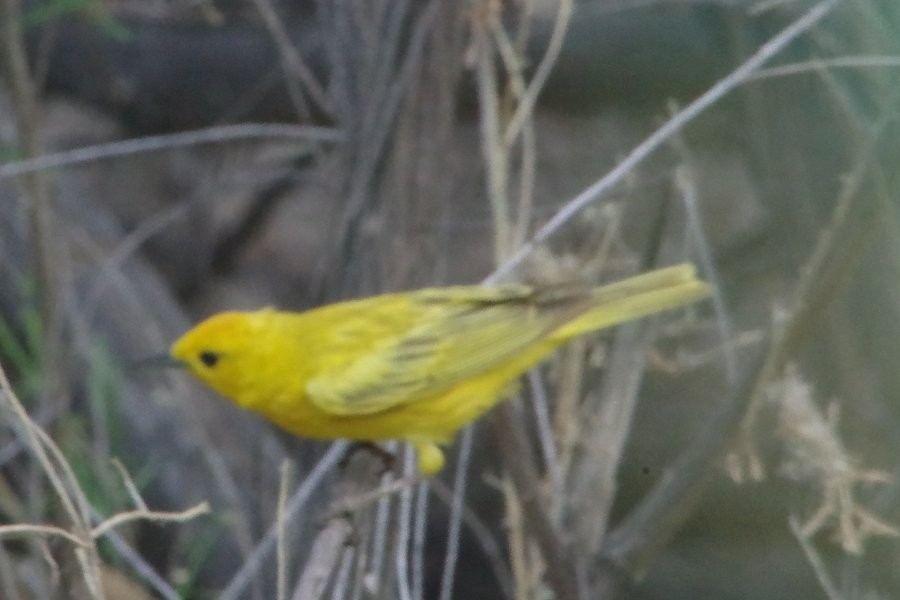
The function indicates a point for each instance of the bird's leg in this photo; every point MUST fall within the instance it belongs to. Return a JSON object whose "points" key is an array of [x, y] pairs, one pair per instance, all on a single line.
{"points": [[388, 460]]}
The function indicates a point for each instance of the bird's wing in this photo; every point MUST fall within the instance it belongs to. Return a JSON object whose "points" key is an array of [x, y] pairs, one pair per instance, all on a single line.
{"points": [[441, 337]]}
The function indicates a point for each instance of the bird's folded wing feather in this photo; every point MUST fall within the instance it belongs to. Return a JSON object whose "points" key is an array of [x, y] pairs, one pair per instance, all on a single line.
{"points": [[441, 337]]}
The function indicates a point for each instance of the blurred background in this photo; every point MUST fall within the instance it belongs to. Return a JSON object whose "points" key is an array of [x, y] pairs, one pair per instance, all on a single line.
{"points": [[291, 154]]}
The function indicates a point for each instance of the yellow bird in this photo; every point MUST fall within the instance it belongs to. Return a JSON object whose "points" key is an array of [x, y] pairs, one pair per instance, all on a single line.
{"points": [[415, 366]]}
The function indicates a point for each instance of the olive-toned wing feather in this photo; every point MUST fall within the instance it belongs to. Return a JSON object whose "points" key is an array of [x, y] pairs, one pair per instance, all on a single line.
{"points": [[435, 339]]}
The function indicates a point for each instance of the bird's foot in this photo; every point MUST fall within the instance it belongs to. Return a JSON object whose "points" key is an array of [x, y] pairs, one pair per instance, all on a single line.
{"points": [[388, 460]]}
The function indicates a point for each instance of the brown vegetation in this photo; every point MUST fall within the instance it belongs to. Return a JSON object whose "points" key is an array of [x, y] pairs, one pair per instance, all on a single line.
{"points": [[747, 449]]}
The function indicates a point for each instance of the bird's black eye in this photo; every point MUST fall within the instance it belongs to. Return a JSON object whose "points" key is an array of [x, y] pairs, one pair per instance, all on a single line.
{"points": [[209, 358]]}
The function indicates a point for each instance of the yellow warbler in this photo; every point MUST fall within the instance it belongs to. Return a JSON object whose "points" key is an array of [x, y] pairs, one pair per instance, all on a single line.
{"points": [[415, 366]]}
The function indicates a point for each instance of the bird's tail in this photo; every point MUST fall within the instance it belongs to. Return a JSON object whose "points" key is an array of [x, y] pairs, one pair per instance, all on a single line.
{"points": [[636, 297]]}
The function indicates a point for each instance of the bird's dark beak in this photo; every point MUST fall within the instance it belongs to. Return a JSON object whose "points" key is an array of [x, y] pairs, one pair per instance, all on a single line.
{"points": [[163, 360]]}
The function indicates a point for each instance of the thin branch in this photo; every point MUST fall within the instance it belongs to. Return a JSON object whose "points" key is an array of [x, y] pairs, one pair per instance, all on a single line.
{"points": [[516, 540], [8, 575], [137, 563], [148, 515], [483, 535], [126, 247], [281, 526], [652, 523], [684, 182], [420, 528], [715, 93], [104, 528], [376, 133], [832, 261], [25, 530], [40, 444], [404, 518], [529, 99], [527, 175], [494, 153], [154, 143], [343, 577], [129, 485], [310, 484], [561, 574], [63, 470], [378, 540], [814, 66], [328, 551], [292, 63], [516, 81], [454, 527], [495, 145], [359, 501], [594, 475], [35, 185], [540, 403], [815, 561]]}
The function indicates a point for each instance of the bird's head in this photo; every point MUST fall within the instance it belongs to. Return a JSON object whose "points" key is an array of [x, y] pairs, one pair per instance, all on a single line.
{"points": [[223, 351]]}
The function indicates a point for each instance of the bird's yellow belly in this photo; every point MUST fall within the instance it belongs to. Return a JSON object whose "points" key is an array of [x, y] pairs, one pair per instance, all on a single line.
{"points": [[436, 418]]}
